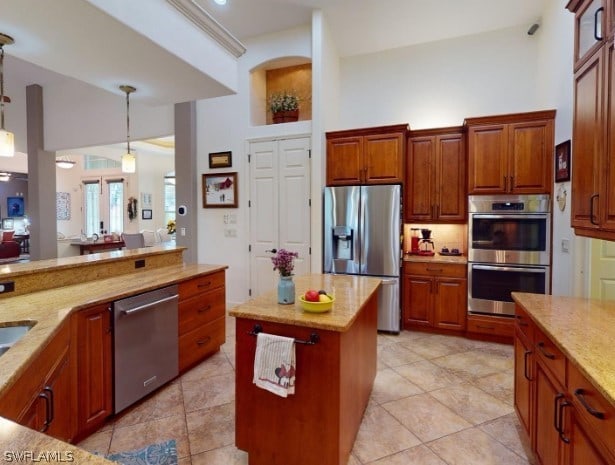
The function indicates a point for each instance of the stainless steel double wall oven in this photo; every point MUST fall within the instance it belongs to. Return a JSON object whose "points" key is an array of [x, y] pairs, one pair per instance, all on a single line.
{"points": [[509, 249]]}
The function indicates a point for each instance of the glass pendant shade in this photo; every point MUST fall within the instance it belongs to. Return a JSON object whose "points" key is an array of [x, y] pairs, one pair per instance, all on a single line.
{"points": [[129, 163], [7, 143]]}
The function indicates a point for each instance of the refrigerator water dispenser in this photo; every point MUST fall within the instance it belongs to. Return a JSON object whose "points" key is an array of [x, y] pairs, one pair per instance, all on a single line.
{"points": [[342, 243]]}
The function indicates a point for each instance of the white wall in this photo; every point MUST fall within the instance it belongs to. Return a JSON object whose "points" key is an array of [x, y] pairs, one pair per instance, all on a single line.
{"points": [[555, 90], [223, 124]]}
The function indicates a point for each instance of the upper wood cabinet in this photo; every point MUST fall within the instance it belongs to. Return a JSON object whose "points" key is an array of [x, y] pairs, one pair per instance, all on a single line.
{"points": [[593, 27], [366, 156], [511, 153], [436, 176], [593, 145]]}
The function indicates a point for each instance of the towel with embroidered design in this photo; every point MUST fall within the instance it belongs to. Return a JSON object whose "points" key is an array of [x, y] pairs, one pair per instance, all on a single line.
{"points": [[274, 364]]}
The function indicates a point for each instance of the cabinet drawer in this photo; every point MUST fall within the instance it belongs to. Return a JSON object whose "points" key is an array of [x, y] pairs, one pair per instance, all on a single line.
{"points": [[550, 356], [204, 283], [201, 309], [591, 405], [200, 342], [451, 270], [491, 325], [524, 323]]}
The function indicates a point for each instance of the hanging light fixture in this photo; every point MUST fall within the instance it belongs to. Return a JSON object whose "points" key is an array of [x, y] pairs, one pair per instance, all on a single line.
{"points": [[65, 162], [129, 162], [7, 139]]}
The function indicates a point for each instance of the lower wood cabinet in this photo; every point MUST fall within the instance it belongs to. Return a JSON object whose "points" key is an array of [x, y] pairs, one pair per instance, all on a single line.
{"points": [[497, 328], [566, 418], [41, 398], [93, 371], [434, 295], [202, 325]]}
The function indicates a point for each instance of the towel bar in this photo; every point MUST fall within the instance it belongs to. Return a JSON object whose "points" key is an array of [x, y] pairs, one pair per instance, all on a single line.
{"points": [[314, 337]]}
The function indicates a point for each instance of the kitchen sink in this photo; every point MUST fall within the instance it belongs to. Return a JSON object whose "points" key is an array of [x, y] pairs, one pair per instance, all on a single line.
{"points": [[12, 333]]}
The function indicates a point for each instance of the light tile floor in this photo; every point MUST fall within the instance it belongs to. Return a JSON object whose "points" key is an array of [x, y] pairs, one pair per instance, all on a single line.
{"points": [[437, 400]]}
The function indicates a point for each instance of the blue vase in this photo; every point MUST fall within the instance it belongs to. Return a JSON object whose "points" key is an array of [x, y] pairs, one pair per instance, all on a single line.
{"points": [[286, 290]]}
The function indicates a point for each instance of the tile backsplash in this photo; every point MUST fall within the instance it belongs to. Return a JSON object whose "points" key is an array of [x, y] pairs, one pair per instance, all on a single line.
{"points": [[452, 236]]}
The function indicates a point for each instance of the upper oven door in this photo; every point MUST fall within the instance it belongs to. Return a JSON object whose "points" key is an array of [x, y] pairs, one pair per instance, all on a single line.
{"points": [[509, 238]]}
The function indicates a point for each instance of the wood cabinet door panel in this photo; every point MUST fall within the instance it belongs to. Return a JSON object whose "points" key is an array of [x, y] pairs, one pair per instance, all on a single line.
{"points": [[582, 448], [418, 300], [201, 284], [530, 157], [344, 161], [523, 386], [420, 178], [92, 339], [201, 309], [608, 205], [587, 144], [450, 306], [201, 342], [547, 442], [60, 386], [450, 182], [487, 162], [383, 158]]}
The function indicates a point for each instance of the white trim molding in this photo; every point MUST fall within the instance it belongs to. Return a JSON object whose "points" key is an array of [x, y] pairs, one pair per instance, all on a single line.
{"points": [[199, 16]]}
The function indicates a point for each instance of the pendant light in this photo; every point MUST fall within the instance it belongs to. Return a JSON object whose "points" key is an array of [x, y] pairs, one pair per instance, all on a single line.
{"points": [[129, 162], [7, 139]]}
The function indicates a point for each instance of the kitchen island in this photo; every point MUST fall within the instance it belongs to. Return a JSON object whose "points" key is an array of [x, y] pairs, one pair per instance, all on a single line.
{"points": [[318, 424]]}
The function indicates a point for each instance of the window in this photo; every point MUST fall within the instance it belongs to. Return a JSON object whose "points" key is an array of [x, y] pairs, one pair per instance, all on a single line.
{"points": [[103, 206], [169, 197]]}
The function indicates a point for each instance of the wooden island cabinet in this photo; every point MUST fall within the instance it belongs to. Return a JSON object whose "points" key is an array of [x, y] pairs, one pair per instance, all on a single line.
{"points": [[511, 154], [366, 156], [319, 422], [564, 394]]}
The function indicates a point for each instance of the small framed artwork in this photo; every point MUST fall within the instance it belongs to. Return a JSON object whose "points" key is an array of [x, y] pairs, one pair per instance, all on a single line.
{"points": [[15, 206], [220, 190], [562, 161], [220, 160], [146, 214], [8, 223]]}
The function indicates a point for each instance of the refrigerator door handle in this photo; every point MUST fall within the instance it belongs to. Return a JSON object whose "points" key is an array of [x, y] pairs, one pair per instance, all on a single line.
{"points": [[389, 281]]}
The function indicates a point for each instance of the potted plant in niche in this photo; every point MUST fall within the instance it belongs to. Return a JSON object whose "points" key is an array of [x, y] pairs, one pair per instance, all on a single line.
{"points": [[284, 106]]}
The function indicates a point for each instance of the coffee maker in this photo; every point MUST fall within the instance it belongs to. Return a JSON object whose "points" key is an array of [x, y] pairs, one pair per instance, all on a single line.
{"points": [[426, 246]]}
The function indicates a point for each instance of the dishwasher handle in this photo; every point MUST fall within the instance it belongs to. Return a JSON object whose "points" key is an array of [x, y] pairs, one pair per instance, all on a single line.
{"points": [[143, 307]]}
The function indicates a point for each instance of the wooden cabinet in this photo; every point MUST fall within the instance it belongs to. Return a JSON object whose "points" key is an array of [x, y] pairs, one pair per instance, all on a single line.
{"points": [[434, 295], [492, 328], [436, 176], [593, 26], [41, 397], [593, 172], [566, 418], [202, 326], [93, 355], [366, 156], [511, 153]]}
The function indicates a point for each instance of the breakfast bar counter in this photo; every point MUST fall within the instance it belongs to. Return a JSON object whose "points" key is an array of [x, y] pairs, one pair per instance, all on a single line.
{"points": [[334, 376]]}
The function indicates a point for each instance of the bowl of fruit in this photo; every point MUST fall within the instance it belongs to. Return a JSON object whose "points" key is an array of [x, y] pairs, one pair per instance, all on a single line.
{"points": [[316, 301]]}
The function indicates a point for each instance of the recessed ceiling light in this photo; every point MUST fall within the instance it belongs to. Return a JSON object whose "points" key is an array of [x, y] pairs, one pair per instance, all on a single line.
{"points": [[220, 2]]}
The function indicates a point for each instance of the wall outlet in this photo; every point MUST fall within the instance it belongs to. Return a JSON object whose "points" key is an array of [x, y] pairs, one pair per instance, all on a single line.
{"points": [[565, 246], [230, 232], [182, 231]]}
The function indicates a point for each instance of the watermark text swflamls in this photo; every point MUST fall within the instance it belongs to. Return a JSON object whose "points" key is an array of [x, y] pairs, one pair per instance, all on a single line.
{"points": [[30, 456]]}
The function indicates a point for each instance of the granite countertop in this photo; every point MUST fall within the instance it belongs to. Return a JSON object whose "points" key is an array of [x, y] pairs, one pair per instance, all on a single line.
{"points": [[437, 258], [49, 309], [583, 329], [350, 294]]}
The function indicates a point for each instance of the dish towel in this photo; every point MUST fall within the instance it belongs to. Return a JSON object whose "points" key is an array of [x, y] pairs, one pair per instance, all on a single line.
{"points": [[274, 364]]}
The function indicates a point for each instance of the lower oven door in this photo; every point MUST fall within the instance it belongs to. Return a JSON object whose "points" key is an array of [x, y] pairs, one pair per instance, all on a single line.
{"points": [[489, 286]]}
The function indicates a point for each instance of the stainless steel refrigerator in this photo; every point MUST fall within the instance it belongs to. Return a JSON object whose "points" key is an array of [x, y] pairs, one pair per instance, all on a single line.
{"points": [[362, 232]]}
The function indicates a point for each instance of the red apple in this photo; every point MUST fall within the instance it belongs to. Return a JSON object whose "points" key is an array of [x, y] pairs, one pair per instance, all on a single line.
{"points": [[311, 295]]}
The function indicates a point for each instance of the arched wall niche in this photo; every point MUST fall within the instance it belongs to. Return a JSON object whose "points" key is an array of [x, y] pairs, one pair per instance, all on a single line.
{"points": [[281, 74]]}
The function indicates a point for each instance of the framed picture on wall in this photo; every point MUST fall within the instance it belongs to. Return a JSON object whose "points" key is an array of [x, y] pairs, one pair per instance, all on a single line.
{"points": [[220, 190], [562, 161], [15, 206], [220, 159], [146, 214]]}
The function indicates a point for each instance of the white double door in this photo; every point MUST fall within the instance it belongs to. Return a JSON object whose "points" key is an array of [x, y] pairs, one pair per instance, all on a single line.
{"points": [[279, 207]]}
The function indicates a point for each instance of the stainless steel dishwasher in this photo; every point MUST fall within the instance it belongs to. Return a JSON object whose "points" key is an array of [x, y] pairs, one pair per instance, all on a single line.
{"points": [[145, 344]]}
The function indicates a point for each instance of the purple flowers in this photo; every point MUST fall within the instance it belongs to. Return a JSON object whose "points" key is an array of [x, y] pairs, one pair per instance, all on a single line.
{"points": [[283, 261]]}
